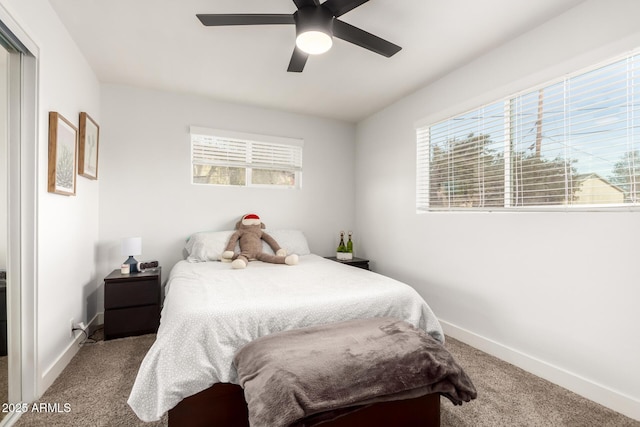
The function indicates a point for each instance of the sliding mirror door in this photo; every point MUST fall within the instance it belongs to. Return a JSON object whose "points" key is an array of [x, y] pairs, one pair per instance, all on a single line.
{"points": [[18, 166], [4, 226]]}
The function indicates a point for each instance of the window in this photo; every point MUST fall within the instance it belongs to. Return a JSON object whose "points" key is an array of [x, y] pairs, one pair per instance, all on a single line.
{"points": [[571, 144], [222, 157]]}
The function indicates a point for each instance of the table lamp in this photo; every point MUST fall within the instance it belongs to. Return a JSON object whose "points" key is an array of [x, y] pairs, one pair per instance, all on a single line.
{"points": [[131, 247]]}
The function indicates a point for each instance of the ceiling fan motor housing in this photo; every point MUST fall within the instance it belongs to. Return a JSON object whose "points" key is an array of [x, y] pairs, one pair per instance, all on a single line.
{"points": [[314, 19]]}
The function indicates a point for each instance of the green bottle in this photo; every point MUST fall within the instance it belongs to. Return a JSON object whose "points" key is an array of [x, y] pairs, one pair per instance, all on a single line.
{"points": [[350, 244], [342, 248]]}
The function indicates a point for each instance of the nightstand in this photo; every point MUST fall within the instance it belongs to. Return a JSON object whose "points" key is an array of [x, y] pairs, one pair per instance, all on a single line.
{"points": [[131, 303], [354, 262]]}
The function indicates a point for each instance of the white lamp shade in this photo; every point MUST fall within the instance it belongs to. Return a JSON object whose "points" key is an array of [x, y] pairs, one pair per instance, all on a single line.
{"points": [[132, 246], [314, 42]]}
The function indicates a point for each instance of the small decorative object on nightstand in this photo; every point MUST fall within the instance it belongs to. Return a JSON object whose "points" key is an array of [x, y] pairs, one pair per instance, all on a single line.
{"points": [[354, 262], [341, 251], [132, 303]]}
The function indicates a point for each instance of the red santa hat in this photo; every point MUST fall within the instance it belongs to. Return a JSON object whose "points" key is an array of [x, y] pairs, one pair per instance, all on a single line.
{"points": [[251, 219]]}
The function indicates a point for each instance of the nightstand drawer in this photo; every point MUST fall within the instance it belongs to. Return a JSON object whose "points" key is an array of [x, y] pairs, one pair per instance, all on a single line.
{"points": [[131, 321], [131, 294]]}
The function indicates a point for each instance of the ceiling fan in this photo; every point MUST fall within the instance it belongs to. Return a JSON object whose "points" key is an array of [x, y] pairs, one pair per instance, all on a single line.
{"points": [[316, 24]]}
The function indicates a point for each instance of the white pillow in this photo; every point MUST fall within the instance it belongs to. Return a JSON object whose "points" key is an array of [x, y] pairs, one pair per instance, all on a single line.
{"points": [[209, 245], [292, 240]]}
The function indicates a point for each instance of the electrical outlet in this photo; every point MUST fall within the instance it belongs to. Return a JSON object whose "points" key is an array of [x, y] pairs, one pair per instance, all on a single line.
{"points": [[71, 328]]}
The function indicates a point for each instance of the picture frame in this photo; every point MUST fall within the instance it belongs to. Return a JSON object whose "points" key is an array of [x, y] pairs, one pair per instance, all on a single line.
{"points": [[88, 147], [63, 138]]}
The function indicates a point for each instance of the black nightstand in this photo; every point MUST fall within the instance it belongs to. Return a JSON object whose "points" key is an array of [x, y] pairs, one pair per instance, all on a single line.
{"points": [[355, 262], [132, 303]]}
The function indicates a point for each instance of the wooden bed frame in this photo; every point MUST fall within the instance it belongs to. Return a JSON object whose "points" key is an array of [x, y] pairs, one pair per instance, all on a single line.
{"points": [[223, 405]]}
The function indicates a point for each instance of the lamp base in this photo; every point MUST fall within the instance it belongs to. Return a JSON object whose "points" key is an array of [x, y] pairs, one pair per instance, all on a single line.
{"points": [[133, 264]]}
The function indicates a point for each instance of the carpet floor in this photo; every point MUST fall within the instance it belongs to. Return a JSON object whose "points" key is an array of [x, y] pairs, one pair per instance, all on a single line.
{"points": [[96, 385], [510, 396]]}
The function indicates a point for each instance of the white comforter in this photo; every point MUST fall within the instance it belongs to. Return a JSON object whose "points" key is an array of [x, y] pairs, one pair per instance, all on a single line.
{"points": [[211, 311]]}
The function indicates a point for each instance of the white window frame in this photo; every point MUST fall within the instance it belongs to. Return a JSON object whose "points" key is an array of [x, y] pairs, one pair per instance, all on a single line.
{"points": [[292, 148], [423, 152]]}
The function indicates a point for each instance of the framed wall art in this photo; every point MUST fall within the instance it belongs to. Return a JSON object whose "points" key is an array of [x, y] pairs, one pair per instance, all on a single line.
{"points": [[88, 147], [62, 155]]}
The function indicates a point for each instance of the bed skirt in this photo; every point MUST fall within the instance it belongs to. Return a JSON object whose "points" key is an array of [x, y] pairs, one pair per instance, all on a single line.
{"points": [[223, 405]]}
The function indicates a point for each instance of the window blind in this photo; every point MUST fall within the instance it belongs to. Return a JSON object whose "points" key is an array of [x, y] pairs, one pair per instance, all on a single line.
{"points": [[572, 143], [226, 149], [461, 161], [575, 142]]}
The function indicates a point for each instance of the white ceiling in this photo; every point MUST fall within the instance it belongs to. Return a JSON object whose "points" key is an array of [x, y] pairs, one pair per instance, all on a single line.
{"points": [[160, 44]]}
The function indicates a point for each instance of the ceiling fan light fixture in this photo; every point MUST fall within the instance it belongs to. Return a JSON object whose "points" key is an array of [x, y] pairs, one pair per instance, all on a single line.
{"points": [[314, 29], [314, 42]]}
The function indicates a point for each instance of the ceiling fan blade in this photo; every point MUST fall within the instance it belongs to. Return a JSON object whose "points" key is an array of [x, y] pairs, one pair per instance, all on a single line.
{"points": [[298, 60], [305, 3], [340, 7], [245, 19], [359, 37]]}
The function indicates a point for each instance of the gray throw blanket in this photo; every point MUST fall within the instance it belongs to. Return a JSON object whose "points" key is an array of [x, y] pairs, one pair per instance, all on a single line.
{"points": [[306, 376]]}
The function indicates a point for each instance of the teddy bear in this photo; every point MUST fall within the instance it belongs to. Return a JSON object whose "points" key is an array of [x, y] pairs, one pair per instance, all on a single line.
{"points": [[249, 233]]}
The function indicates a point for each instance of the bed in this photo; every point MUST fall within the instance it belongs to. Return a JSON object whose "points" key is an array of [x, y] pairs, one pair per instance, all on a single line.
{"points": [[211, 311]]}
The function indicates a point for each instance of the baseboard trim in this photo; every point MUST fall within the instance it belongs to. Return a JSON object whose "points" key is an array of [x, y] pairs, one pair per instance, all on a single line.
{"points": [[63, 360], [598, 393]]}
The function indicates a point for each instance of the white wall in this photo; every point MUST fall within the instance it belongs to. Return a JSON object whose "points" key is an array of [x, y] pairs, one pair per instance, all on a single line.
{"points": [[67, 226], [556, 293], [145, 171]]}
